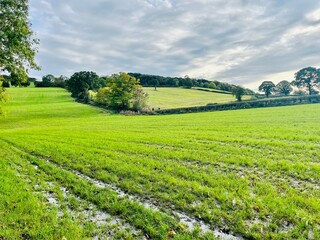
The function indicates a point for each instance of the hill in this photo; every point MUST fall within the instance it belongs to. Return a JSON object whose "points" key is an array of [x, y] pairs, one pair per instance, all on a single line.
{"points": [[70, 170], [165, 98], [148, 80]]}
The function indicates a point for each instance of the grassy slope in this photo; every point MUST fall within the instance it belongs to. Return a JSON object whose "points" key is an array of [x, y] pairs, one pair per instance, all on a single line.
{"points": [[255, 172], [180, 97]]}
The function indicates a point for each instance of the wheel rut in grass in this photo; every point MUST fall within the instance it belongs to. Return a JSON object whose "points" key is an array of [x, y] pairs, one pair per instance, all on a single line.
{"points": [[184, 218], [74, 207]]}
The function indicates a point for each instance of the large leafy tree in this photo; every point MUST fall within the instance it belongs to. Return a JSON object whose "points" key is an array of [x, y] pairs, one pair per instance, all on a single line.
{"points": [[18, 45], [284, 87], [267, 87], [154, 83], [80, 83], [122, 92], [121, 89], [238, 92], [308, 79]]}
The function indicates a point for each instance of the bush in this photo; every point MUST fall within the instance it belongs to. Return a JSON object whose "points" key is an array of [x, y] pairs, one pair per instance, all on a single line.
{"points": [[139, 99]]}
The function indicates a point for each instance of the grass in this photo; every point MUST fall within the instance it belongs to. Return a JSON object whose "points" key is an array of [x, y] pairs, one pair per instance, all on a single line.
{"points": [[253, 172], [165, 98]]}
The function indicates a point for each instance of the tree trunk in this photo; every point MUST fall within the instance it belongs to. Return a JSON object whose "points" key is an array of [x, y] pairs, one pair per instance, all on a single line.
{"points": [[310, 89]]}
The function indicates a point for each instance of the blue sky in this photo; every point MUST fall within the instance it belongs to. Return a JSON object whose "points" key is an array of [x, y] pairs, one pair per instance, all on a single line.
{"points": [[240, 41]]}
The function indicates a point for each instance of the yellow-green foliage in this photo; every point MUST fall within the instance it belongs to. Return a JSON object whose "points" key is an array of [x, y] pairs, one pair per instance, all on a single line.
{"points": [[92, 95], [103, 96]]}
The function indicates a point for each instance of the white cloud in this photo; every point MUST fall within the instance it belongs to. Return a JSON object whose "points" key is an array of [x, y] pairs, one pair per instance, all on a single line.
{"points": [[240, 41]]}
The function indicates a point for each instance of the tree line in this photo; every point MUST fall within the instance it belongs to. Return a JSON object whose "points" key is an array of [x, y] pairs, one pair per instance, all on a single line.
{"points": [[148, 80], [307, 80]]}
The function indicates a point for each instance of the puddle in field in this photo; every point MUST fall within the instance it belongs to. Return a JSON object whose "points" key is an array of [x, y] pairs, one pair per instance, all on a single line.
{"points": [[302, 185], [90, 213], [85, 210], [188, 221], [52, 201]]}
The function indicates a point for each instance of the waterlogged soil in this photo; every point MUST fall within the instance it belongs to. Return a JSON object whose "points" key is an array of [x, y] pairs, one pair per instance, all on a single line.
{"points": [[186, 220], [190, 222], [61, 199]]}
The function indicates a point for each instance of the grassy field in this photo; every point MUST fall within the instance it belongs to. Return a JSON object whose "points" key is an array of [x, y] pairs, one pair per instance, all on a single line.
{"points": [[250, 173], [165, 98]]}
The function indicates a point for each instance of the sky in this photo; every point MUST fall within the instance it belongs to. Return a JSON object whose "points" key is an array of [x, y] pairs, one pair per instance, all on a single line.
{"points": [[242, 42]]}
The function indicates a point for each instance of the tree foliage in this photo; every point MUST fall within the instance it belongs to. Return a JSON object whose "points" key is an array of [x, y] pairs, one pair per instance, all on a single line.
{"points": [[121, 88], [267, 87], [139, 99], [18, 45], [48, 79], [284, 87], [81, 82], [154, 82], [122, 92], [51, 81], [147, 80], [238, 92], [308, 79]]}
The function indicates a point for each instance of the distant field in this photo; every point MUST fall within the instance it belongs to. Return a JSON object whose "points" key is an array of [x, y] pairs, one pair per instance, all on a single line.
{"points": [[165, 98], [68, 169]]}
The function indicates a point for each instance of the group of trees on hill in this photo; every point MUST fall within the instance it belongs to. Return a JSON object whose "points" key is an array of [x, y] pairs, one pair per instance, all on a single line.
{"points": [[118, 91], [8, 81], [52, 81], [147, 80], [306, 79]]}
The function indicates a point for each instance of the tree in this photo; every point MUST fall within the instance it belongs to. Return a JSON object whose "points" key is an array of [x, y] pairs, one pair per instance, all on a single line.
{"points": [[284, 87], [5, 83], [48, 79], [81, 82], [139, 99], [18, 45], [212, 86], [60, 81], [103, 96], [155, 83], [308, 79], [121, 89], [299, 92], [188, 83], [123, 92], [25, 83], [267, 87], [238, 92]]}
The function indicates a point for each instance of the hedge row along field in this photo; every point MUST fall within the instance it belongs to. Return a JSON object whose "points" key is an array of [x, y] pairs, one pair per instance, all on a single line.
{"points": [[246, 173], [267, 102]]}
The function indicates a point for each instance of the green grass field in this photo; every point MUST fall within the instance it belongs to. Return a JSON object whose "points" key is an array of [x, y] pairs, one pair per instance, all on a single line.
{"points": [[165, 98], [252, 173]]}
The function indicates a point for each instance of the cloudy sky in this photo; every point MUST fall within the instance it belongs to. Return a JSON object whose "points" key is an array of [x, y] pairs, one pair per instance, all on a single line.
{"points": [[236, 41]]}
